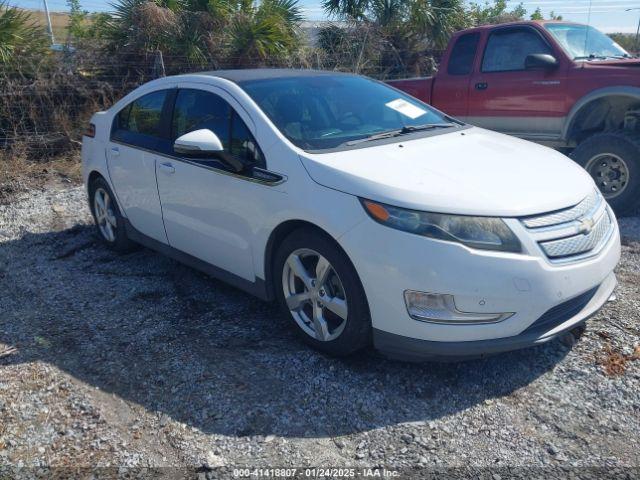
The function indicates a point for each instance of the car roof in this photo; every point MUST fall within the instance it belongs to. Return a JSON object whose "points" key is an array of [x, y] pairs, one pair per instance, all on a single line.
{"points": [[519, 23], [245, 75]]}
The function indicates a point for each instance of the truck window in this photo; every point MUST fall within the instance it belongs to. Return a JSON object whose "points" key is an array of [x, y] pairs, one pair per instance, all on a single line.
{"points": [[462, 55], [507, 49]]}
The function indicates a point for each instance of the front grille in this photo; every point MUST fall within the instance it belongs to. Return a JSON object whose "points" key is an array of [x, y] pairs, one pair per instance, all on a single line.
{"points": [[581, 243], [573, 233], [561, 313], [566, 215]]}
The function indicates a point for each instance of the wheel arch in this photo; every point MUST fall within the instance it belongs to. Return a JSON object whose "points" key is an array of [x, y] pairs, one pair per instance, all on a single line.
{"points": [[587, 113], [276, 237], [93, 176]]}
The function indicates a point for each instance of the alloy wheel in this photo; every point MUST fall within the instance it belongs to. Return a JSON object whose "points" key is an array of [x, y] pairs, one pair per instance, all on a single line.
{"points": [[314, 294], [105, 217], [610, 172]]}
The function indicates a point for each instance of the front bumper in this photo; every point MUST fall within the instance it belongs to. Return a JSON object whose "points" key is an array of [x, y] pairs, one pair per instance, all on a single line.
{"points": [[411, 349], [527, 284]]}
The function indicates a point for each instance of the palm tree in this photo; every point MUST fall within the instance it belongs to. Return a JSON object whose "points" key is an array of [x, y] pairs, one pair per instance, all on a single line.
{"points": [[20, 38], [407, 29], [203, 32]]}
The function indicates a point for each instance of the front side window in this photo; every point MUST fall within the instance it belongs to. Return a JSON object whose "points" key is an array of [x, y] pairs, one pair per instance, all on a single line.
{"points": [[198, 109], [463, 54], [507, 49], [325, 111], [582, 42]]}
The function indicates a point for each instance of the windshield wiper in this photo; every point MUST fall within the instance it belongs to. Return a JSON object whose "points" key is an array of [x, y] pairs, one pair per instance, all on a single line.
{"points": [[400, 131], [591, 57]]}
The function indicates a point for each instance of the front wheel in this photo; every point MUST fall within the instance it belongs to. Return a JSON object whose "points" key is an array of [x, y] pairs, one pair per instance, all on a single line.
{"points": [[613, 161], [320, 292]]}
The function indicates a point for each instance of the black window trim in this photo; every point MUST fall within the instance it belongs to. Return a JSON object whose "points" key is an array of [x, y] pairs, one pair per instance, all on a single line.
{"points": [[502, 30], [233, 113], [265, 177], [475, 54]]}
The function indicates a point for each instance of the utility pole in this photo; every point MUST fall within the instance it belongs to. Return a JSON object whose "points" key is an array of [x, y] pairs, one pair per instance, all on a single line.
{"points": [[49, 27], [638, 29]]}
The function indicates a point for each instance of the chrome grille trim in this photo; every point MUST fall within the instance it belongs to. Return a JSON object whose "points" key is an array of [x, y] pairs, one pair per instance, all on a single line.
{"points": [[563, 216], [580, 243], [564, 237]]}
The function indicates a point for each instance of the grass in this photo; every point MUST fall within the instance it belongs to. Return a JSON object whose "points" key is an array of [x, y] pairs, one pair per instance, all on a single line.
{"points": [[59, 23], [20, 172]]}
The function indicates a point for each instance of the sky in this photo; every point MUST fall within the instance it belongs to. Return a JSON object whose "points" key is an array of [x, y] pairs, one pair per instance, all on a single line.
{"points": [[607, 15]]}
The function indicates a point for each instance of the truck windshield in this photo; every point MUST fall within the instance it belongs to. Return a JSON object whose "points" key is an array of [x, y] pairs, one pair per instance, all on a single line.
{"points": [[582, 42], [325, 111]]}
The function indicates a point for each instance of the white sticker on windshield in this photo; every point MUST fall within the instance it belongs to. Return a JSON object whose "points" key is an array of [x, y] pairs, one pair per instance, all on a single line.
{"points": [[406, 108]]}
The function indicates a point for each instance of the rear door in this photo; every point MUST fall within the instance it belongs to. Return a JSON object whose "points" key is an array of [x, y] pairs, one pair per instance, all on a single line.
{"points": [[451, 88], [132, 157], [506, 97]]}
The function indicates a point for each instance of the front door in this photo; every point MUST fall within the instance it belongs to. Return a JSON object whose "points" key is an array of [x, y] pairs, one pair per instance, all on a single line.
{"points": [[506, 97], [209, 211]]}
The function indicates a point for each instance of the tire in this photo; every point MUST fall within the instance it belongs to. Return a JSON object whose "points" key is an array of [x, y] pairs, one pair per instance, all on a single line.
{"points": [[111, 227], [342, 288], [613, 160]]}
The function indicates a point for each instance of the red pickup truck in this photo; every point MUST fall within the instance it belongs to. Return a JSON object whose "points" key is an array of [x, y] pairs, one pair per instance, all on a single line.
{"points": [[561, 84]]}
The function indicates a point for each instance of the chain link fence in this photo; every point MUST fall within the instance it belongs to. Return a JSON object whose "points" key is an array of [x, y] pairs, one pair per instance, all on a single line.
{"points": [[45, 111]]}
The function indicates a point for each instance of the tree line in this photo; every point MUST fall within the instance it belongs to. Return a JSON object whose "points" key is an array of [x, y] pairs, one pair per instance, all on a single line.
{"points": [[378, 37]]}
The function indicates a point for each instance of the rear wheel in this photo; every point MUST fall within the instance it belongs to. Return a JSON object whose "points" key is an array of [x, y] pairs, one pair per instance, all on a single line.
{"points": [[319, 291], [109, 222], [613, 160]]}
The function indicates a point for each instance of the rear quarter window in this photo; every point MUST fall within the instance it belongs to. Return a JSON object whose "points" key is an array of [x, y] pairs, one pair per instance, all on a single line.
{"points": [[463, 54]]}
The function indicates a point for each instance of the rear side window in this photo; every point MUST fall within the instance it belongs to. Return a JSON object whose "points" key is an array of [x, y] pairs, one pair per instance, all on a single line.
{"points": [[143, 115], [140, 123], [197, 109], [507, 49], [463, 54]]}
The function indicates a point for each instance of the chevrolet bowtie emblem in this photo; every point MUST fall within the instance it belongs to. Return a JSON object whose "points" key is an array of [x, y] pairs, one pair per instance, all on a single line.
{"points": [[586, 225]]}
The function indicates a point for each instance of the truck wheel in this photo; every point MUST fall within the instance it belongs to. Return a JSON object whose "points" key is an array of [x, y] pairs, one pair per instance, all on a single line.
{"points": [[613, 160]]}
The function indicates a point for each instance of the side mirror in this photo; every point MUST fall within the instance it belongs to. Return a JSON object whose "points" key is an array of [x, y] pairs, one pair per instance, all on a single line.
{"points": [[540, 61], [205, 145], [198, 144]]}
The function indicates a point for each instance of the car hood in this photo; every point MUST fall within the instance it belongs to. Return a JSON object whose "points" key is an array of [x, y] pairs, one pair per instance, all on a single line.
{"points": [[472, 172], [622, 62]]}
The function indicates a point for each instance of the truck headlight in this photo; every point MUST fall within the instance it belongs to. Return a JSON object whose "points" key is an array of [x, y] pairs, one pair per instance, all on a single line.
{"points": [[484, 233]]}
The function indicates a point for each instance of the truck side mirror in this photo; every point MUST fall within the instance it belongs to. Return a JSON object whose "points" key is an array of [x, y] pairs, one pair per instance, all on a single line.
{"points": [[540, 61]]}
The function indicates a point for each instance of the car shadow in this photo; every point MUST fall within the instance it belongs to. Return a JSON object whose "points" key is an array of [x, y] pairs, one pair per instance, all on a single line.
{"points": [[179, 343]]}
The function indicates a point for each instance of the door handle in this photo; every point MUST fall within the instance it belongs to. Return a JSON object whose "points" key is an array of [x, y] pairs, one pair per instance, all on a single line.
{"points": [[166, 167], [482, 85], [115, 151]]}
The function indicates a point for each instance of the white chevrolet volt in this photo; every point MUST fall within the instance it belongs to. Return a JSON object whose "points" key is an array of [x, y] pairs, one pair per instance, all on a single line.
{"points": [[368, 215]]}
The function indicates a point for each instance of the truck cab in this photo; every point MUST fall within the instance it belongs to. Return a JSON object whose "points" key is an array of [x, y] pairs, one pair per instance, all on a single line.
{"points": [[561, 84]]}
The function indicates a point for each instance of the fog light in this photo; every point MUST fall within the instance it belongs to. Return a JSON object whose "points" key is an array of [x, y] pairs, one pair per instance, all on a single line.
{"points": [[441, 308]]}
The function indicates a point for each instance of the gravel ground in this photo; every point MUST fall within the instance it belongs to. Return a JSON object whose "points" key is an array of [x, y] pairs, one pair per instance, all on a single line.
{"points": [[133, 360]]}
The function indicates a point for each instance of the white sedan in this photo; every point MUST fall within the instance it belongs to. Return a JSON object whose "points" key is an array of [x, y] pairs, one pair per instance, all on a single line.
{"points": [[369, 216]]}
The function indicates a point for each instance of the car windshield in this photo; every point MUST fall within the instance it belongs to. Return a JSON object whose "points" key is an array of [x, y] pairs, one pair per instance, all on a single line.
{"points": [[582, 42], [324, 111]]}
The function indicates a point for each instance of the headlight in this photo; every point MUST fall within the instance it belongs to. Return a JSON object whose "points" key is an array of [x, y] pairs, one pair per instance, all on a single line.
{"points": [[484, 233]]}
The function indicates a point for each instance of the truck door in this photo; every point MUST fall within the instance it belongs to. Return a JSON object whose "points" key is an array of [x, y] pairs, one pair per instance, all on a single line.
{"points": [[451, 88], [506, 97]]}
